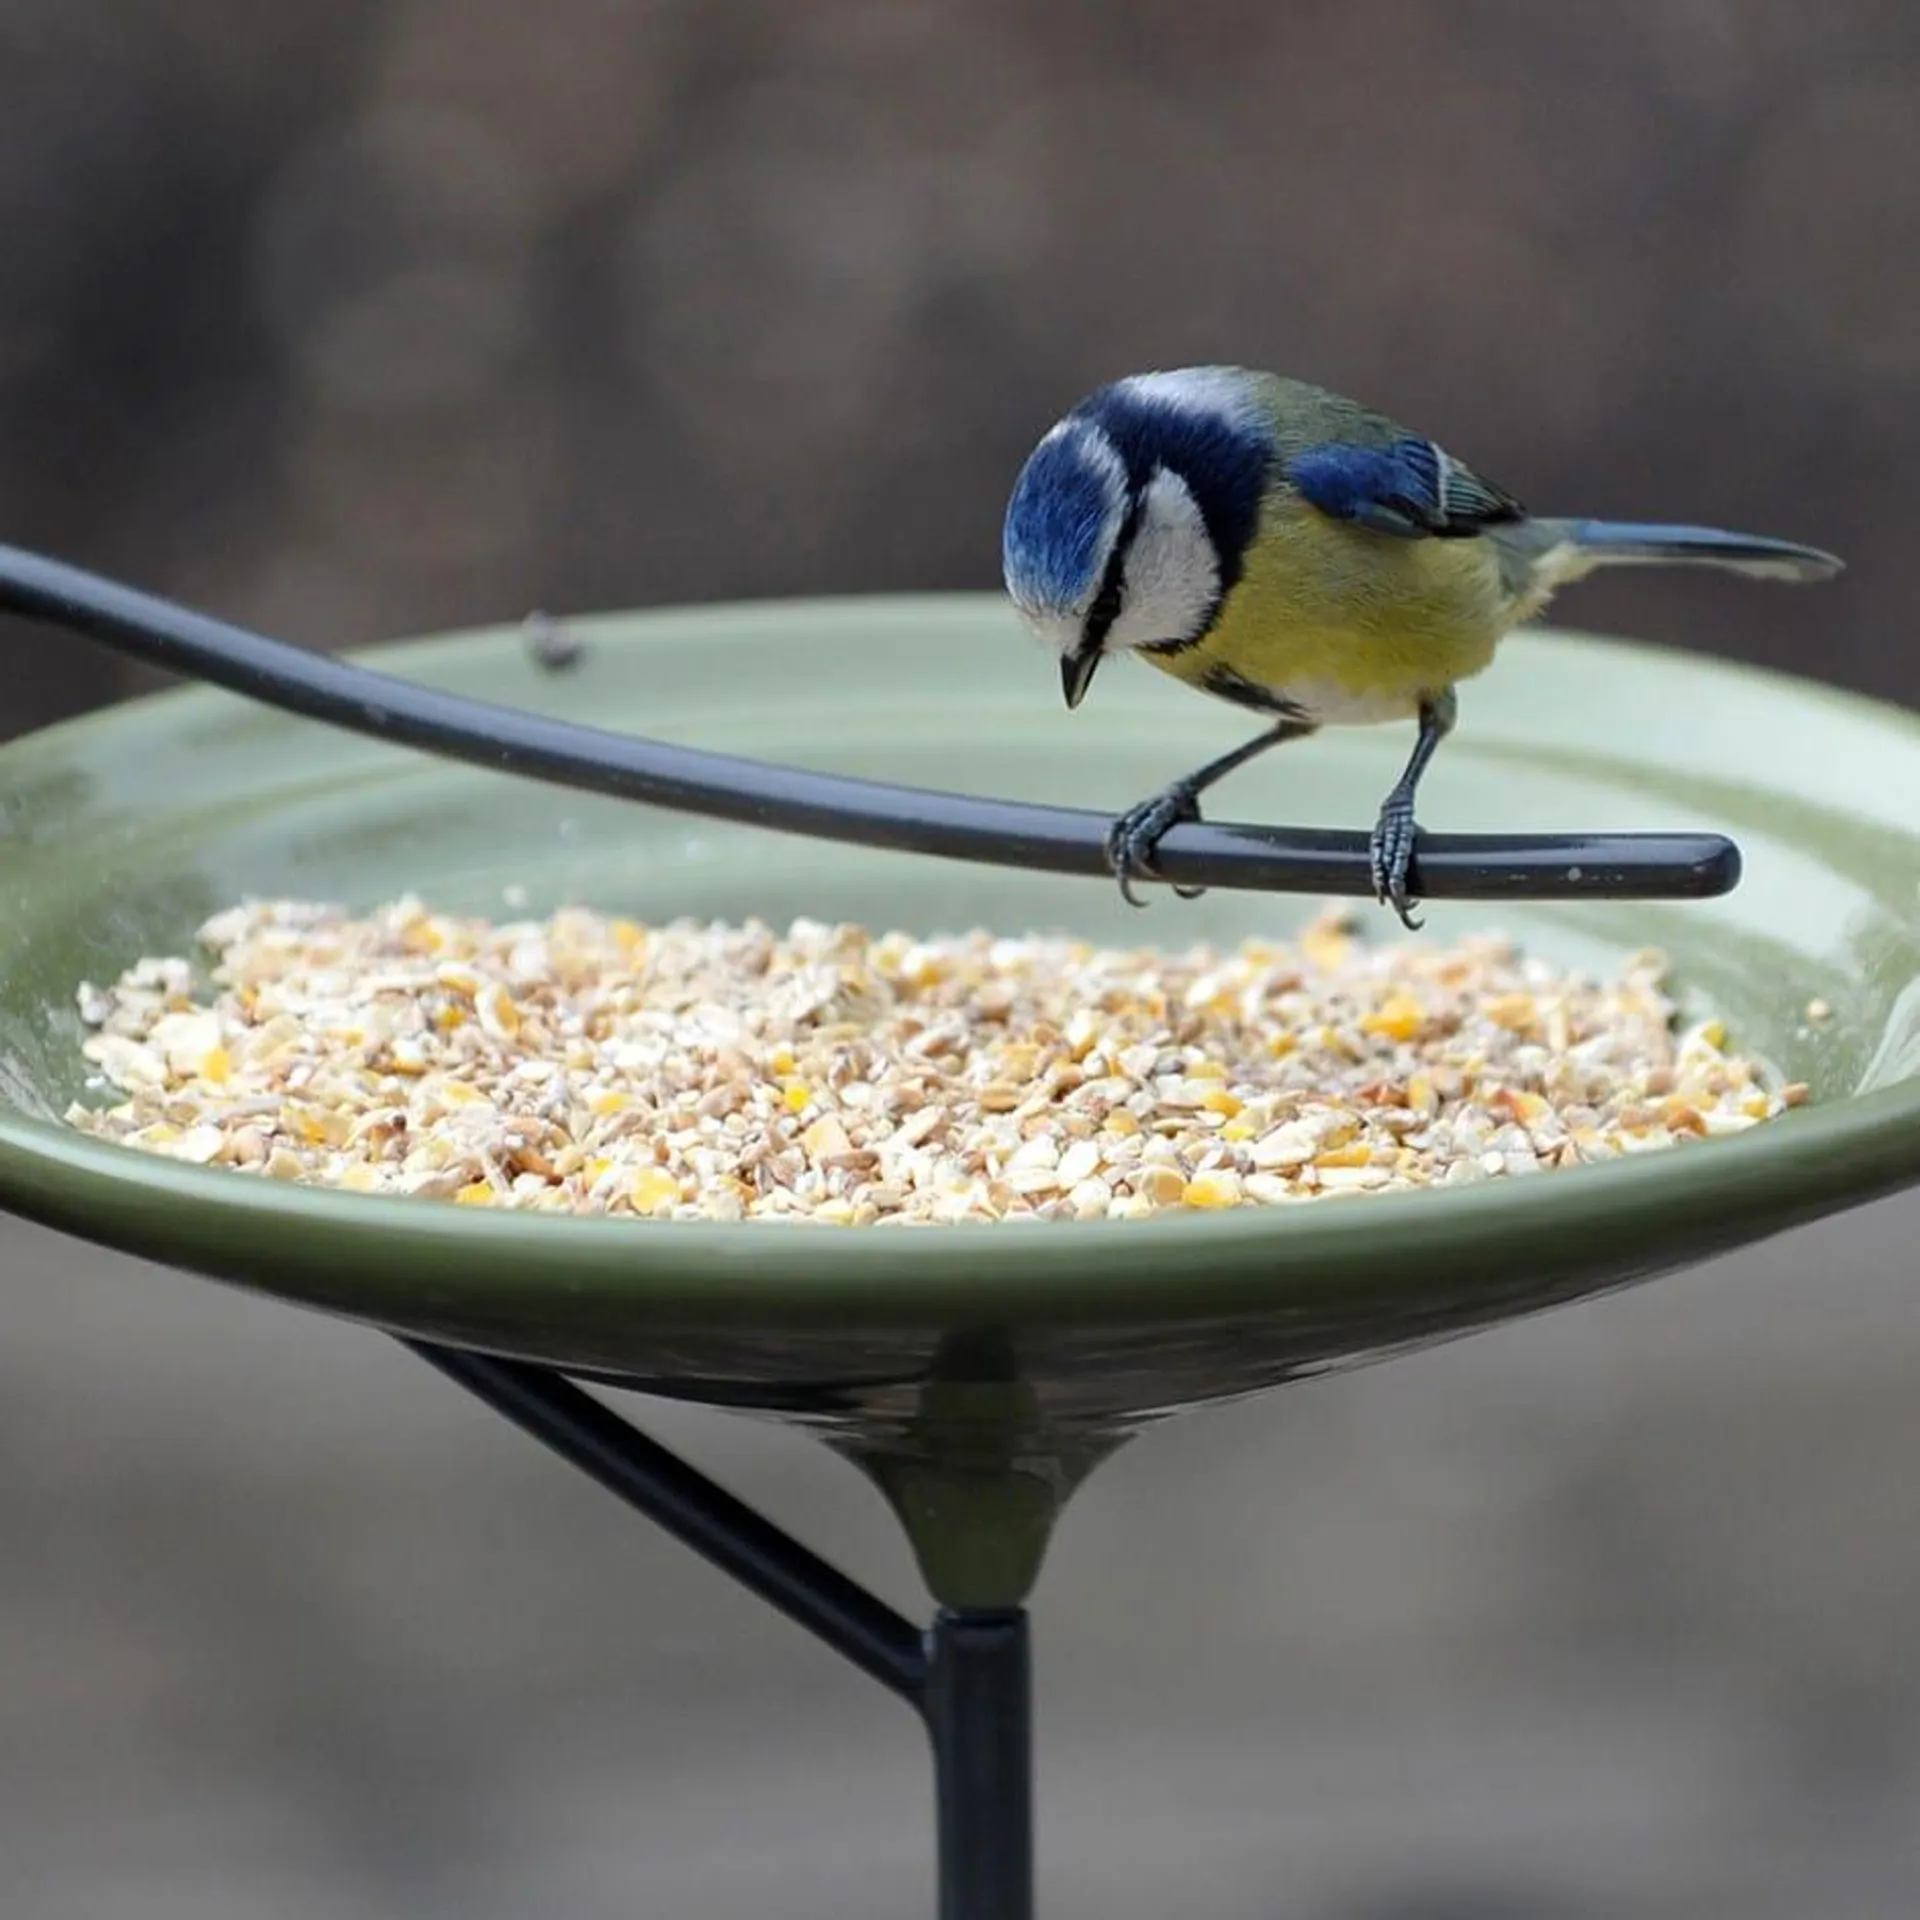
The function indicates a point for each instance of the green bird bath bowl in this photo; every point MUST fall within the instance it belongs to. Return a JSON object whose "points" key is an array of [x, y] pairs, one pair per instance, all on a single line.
{"points": [[975, 1373]]}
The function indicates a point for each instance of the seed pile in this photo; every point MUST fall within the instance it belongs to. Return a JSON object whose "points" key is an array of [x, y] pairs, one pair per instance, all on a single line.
{"points": [[701, 1072]]}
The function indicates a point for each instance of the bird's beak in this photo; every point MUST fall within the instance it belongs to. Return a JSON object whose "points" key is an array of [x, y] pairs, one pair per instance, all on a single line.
{"points": [[1076, 673]]}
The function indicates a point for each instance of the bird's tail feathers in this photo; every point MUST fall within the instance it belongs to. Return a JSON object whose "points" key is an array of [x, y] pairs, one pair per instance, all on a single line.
{"points": [[1578, 546]]}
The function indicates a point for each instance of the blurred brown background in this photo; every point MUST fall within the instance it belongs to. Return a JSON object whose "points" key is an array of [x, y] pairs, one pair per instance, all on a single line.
{"points": [[359, 319]]}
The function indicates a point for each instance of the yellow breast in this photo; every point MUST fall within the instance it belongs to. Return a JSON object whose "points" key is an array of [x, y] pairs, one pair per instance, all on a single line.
{"points": [[1351, 625]]}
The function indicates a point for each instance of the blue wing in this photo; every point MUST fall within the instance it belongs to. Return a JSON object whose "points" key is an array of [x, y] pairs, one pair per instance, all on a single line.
{"points": [[1409, 488]]}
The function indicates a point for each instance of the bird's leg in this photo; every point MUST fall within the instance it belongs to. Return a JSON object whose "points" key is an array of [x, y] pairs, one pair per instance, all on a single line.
{"points": [[1394, 833], [1132, 838]]}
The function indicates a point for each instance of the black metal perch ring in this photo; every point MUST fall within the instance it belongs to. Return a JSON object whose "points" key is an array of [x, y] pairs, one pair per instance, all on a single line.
{"points": [[1666, 866]]}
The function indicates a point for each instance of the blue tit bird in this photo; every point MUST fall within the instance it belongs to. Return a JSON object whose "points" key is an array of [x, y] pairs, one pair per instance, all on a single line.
{"points": [[1299, 555]]}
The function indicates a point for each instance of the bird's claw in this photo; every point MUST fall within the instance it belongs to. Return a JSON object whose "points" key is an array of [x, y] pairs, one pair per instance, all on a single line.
{"points": [[1390, 853], [1132, 839]]}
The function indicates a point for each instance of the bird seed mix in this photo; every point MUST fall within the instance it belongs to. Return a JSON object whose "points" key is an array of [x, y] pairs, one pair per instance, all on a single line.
{"points": [[584, 1064]]}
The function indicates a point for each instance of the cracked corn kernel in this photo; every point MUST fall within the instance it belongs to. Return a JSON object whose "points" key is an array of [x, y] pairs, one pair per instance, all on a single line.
{"points": [[1358, 1154], [1212, 1190], [653, 1188], [826, 1138], [1080, 1162], [734, 1073], [201, 1145], [1398, 1017], [1162, 1186], [1514, 1011]]}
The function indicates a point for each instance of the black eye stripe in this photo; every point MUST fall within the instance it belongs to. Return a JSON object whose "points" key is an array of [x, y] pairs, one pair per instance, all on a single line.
{"points": [[1105, 609]]}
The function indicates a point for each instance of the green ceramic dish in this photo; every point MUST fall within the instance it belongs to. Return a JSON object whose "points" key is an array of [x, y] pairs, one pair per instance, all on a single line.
{"points": [[123, 831]]}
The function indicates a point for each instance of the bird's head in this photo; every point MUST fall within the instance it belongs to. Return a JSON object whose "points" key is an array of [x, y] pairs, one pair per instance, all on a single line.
{"points": [[1130, 519]]}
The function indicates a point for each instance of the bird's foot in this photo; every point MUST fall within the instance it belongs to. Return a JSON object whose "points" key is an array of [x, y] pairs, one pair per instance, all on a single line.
{"points": [[1132, 838], [1391, 854]]}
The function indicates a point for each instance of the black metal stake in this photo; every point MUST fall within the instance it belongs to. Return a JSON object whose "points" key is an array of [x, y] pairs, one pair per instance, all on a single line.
{"points": [[968, 1677], [979, 1714]]}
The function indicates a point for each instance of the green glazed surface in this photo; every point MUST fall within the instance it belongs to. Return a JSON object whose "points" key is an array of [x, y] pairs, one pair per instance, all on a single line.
{"points": [[124, 831]]}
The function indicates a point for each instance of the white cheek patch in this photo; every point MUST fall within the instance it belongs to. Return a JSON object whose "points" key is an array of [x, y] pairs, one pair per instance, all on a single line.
{"points": [[1171, 579]]}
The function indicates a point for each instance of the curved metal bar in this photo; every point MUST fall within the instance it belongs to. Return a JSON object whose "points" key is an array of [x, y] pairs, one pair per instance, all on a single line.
{"points": [[1668, 866]]}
